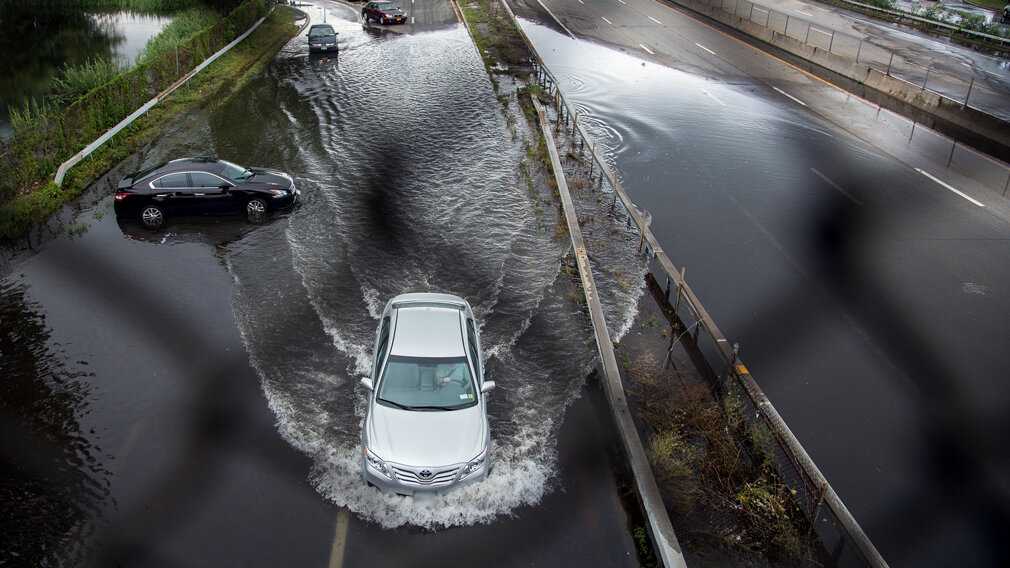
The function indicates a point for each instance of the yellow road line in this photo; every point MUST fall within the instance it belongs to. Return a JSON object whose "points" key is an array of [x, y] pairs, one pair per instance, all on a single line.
{"points": [[339, 539]]}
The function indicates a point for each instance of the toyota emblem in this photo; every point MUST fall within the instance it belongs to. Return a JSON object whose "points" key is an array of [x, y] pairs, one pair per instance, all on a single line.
{"points": [[424, 474]]}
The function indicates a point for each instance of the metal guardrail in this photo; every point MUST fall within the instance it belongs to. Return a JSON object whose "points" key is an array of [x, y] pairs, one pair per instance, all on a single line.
{"points": [[828, 515], [953, 86], [910, 16], [61, 172]]}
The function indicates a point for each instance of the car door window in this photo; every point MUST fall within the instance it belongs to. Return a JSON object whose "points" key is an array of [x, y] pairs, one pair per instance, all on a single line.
{"points": [[172, 181], [380, 350], [474, 351], [205, 180]]}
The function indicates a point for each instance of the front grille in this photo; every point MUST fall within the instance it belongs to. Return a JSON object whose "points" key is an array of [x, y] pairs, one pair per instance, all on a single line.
{"points": [[438, 476]]}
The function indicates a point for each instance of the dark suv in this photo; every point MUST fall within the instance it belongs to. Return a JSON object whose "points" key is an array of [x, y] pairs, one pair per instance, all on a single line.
{"points": [[322, 38], [383, 13], [202, 186]]}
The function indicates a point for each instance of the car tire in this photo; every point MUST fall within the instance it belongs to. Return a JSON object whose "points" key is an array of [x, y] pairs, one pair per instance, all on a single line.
{"points": [[152, 217], [256, 210]]}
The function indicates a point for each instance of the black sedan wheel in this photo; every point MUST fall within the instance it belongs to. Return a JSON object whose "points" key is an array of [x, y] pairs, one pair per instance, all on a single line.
{"points": [[152, 217], [256, 210]]}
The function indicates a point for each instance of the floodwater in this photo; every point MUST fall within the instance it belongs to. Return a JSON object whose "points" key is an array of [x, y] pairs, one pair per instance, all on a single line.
{"points": [[868, 310], [141, 347], [37, 40]]}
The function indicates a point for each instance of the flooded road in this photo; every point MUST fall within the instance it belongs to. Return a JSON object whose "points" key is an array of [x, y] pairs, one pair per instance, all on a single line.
{"points": [[200, 385], [866, 298]]}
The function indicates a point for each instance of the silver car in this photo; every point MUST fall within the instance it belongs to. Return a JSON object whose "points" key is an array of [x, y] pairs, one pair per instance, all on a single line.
{"points": [[426, 427]]}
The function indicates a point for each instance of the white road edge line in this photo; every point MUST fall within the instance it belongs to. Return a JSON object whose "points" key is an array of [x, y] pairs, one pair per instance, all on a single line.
{"points": [[805, 14], [836, 186], [581, 2], [339, 539], [548, 10], [647, 50], [623, 2], [790, 96], [705, 48], [606, 20], [941, 182], [713, 97], [813, 29], [655, 20]]}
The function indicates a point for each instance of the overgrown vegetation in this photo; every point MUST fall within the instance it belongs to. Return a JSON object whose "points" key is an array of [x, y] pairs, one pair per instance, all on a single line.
{"points": [[46, 137], [712, 464], [176, 34], [45, 134], [493, 31]]}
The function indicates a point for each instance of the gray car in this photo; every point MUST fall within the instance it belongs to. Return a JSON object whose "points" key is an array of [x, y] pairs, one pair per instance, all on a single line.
{"points": [[426, 427]]}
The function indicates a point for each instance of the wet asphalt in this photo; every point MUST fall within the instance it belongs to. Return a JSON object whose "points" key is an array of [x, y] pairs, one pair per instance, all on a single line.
{"points": [[189, 397], [870, 303]]}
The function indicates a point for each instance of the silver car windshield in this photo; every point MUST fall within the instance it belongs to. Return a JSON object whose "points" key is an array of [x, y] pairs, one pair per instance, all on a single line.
{"points": [[414, 383]]}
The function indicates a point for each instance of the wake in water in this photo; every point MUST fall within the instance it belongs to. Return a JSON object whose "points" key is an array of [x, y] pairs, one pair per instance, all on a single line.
{"points": [[427, 201]]}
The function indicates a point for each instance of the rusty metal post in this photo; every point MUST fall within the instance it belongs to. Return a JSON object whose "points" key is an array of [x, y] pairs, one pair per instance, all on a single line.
{"points": [[968, 96]]}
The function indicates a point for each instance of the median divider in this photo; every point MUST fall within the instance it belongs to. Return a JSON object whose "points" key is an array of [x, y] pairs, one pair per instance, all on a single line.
{"points": [[664, 539], [832, 521]]}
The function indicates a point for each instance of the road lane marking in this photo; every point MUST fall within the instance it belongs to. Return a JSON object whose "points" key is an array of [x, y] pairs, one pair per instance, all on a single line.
{"points": [[608, 21], [548, 10], [412, 19], [790, 96], [705, 48], [713, 97], [836, 186], [813, 29], [805, 14], [623, 2], [581, 2], [647, 50], [339, 539], [995, 74], [655, 20], [941, 182]]}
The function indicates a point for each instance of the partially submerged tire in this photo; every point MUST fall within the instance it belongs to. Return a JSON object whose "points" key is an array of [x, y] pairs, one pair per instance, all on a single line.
{"points": [[152, 217], [256, 210]]}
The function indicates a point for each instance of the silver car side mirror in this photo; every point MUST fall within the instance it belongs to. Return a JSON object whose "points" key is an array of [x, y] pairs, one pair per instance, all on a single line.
{"points": [[367, 383], [488, 386]]}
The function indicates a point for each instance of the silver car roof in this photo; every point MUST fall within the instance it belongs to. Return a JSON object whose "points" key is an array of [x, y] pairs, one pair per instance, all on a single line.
{"points": [[427, 330]]}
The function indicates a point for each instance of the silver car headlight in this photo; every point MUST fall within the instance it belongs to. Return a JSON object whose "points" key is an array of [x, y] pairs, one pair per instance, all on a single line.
{"points": [[474, 465], [376, 463]]}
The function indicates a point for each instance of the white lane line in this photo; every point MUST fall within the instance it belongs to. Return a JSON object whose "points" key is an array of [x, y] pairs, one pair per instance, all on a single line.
{"points": [[941, 182], [805, 14], [412, 19], [705, 48], [968, 65], [647, 50], [836, 186], [994, 74], [339, 540], [713, 97], [623, 2], [813, 29], [608, 21], [655, 20], [581, 2], [790, 96]]}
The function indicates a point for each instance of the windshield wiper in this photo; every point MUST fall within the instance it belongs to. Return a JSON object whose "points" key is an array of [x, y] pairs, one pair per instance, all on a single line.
{"points": [[429, 408], [396, 404]]}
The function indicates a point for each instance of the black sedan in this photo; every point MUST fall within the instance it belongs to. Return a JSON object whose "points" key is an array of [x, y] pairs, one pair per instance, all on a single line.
{"points": [[202, 186]]}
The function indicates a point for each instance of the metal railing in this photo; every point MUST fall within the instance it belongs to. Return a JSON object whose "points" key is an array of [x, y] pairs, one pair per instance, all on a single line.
{"points": [[961, 88], [834, 525]]}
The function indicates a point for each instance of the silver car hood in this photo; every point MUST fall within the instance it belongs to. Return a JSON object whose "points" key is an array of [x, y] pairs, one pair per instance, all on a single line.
{"points": [[426, 438]]}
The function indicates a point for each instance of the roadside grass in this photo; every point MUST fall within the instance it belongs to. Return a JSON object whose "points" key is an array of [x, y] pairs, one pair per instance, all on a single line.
{"points": [[211, 87], [707, 457], [496, 37], [74, 81], [183, 27]]}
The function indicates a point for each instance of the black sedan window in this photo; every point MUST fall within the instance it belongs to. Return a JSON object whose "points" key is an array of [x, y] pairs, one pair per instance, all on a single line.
{"points": [[172, 181], [201, 179]]}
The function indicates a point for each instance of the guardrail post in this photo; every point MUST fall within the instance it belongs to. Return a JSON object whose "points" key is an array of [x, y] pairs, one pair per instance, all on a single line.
{"points": [[751, 15], [889, 62], [1006, 185], [912, 133], [968, 95], [832, 42], [768, 17], [950, 158], [666, 295], [786, 30], [859, 49], [680, 288], [924, 80], [807, 37]]}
